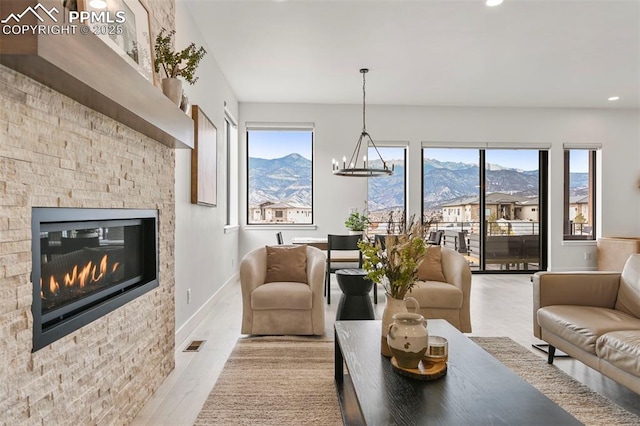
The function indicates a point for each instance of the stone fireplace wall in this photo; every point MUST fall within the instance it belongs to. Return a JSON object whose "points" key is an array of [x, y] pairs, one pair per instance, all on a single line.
{"points": [[55, 152]]}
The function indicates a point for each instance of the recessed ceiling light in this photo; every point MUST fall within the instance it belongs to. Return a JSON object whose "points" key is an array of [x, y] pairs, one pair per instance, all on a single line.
{"points": [[98, 4], [492, 3], [613, 98]]}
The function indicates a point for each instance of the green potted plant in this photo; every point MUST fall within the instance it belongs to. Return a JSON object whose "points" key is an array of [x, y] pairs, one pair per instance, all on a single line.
{"points": [[176, 63], [356, 223]]}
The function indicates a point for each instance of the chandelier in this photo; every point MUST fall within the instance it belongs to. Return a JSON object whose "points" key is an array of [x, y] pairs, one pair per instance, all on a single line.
{"points": [[368, 169]]}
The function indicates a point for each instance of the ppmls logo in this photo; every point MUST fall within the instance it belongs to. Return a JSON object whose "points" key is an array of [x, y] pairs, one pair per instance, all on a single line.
{"points": [[33, 10], [101, 22], [47, 21]]}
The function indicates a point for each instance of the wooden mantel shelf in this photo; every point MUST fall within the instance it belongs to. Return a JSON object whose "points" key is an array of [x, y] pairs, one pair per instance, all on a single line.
{"points": [[87, 70]]}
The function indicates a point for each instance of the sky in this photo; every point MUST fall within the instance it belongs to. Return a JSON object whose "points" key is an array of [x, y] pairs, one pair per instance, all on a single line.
{"points": [[512, 158], [270, 144], [277, 143], [523, 159]]}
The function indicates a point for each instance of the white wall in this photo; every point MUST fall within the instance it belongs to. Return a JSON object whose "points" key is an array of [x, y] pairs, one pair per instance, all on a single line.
{"points": [[206, 257], [337, 128]]}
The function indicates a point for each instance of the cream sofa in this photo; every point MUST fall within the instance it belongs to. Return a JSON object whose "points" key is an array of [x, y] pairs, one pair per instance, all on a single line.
{"points": [[282, 306], [446, 297], [594, 317]]}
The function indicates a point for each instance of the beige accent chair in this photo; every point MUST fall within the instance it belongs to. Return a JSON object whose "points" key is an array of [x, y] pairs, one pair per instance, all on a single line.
{"points": [[448, 300], [280, 308]]}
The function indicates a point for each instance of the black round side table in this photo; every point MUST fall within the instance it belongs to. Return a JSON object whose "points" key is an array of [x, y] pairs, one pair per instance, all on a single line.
{"points": [[355, 303]]}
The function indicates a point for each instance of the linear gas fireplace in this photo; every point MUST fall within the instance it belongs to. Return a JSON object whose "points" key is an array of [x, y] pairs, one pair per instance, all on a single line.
{"points": [[86, 263]]}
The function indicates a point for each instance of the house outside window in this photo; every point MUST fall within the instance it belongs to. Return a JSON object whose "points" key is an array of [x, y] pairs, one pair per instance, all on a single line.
{"points": [[579, 193], [280, 175]]}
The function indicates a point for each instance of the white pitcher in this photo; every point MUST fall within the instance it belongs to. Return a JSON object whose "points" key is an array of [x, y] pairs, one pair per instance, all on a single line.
{"points": [[408, 339], [394, 306]]}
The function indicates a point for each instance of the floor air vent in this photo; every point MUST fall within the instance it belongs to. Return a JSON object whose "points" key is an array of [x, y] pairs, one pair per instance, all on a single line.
{"points": [[194, 346]]}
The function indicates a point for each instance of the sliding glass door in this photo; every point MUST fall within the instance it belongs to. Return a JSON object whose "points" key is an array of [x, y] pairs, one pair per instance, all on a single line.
{"points": [[512, 210], [487, 203]]}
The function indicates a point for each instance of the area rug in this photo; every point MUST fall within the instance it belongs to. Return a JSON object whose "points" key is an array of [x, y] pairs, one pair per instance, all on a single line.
{"points": [[290, 382], [276, 382], [577, 399]]}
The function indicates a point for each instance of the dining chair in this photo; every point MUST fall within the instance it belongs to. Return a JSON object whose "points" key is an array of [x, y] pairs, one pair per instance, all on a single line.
{"points": [[435, 238], [340, 243], [382, 239]]}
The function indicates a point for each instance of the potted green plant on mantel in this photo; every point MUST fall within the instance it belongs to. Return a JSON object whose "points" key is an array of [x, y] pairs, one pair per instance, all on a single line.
{"points": [[356, 223], [174, 63]]}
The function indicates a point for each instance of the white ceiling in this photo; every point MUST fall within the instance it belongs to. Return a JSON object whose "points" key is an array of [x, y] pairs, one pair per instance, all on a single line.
{"points": [[524, 53]]}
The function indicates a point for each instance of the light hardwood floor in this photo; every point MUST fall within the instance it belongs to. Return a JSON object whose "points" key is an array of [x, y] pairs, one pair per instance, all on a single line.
{"points": [[501, 305]]}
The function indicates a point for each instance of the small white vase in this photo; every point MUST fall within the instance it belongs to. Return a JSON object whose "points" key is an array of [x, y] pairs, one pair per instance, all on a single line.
{"points": [[351, 232], [185, 105], [172, 89]]}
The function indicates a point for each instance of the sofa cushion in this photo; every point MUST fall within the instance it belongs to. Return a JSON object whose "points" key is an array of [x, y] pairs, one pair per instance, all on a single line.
{"points": [[436, 294], [583, 325], [282, 295], [622, 349], [430, 269], [286, 263], [629, 292]]}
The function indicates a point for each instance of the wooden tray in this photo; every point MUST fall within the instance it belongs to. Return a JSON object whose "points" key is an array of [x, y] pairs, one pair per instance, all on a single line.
{"points": [[425, 370]]}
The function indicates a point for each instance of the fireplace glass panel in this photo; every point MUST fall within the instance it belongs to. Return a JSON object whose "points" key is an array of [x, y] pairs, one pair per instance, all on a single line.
{"points": [[78, 263]]}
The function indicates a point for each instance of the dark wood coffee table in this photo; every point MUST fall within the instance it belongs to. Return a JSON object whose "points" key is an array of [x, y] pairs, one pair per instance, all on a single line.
{"points": [[477, 389]]}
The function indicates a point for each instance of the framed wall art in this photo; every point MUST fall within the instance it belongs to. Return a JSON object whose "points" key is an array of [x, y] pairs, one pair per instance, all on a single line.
{"points": [[128, 33], [204, 168]]}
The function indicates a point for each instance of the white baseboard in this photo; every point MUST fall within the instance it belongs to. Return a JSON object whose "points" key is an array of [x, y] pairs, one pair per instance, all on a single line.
{"points": [[187, 328]]}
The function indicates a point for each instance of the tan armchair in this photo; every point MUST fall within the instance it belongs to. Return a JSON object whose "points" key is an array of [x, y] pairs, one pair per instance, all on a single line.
{"points": [[445, 295], [282, 307]]}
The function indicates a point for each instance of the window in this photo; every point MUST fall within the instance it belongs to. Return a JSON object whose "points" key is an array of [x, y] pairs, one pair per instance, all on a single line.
{"points": [[279, 168], [386, 194], [579, 194], [231, 142]]}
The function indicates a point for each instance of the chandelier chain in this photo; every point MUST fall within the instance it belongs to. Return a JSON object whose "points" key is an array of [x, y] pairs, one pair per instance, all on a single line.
{"points": [[364, 99]]}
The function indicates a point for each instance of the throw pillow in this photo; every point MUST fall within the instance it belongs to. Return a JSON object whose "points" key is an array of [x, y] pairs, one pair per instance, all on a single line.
{"points": [[286, 263], [431, 267]]}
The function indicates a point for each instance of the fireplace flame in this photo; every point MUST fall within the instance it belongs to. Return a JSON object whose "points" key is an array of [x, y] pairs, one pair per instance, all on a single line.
{"points": [[53, 285], [69, 280], [103, 269], [84, 274], [81, 276]]}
